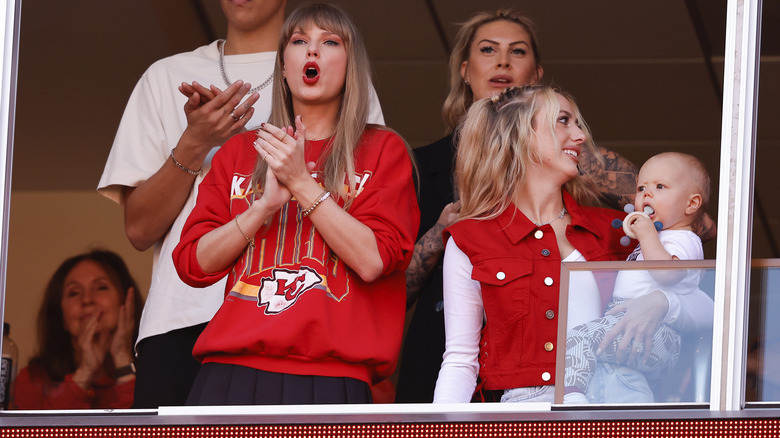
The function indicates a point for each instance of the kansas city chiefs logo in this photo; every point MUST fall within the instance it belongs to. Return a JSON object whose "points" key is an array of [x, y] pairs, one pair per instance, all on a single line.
{"points": [[284, 288]]}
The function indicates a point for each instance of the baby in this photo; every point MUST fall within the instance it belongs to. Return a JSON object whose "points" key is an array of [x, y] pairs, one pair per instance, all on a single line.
{"points": [[676, 188]]}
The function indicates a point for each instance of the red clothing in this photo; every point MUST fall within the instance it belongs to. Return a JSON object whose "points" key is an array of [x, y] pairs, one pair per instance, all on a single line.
{"points": [[291, 306], [518, 266], [34, 389]]}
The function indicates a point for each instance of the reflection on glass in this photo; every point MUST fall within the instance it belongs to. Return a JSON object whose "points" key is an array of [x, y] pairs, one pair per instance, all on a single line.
{"points": [[763, 346], [763, 338], [604, 362]]}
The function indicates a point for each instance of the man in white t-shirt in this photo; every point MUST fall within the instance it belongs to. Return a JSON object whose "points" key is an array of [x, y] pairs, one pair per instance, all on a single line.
{"points": [[162, 151]]}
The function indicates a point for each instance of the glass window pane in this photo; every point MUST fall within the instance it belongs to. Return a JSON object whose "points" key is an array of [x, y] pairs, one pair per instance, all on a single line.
{"points": [[764, 335], [671, 364], [763, 346]]}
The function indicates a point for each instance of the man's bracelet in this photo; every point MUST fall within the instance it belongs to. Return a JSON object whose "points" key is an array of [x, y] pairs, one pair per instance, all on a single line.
{"points": [[183, 167]]}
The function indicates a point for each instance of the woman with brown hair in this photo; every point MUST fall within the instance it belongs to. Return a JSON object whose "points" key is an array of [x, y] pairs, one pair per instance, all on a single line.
{"points": [[87, 325]]}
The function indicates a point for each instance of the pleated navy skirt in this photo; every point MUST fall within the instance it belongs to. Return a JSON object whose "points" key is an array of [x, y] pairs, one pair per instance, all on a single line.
{"points": [[226, 384]]}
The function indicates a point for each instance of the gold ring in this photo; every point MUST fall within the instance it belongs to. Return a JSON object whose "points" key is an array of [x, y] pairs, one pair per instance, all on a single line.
{"points": [[284, 136]]}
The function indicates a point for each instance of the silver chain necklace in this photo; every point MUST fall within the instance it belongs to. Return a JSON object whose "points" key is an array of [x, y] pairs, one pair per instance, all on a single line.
{"points": [[221, 44], [560, 216]]}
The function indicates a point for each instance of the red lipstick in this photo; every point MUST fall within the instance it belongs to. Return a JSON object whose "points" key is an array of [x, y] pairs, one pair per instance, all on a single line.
{"points": [[311, 73]]}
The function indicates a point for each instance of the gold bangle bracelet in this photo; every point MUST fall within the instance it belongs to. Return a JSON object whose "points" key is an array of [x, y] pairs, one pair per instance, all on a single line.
{"points": [[250, 241], [325, 195]]}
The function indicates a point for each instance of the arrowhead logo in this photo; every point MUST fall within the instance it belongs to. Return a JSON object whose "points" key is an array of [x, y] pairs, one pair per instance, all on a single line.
{"points": [[279, 292]]}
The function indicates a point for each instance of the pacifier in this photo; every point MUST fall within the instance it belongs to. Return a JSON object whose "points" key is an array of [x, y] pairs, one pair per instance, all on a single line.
{"points": [[629, 209]]}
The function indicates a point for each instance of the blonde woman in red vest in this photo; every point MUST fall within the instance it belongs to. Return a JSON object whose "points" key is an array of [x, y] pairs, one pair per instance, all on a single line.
{"points": [[525, 208]]}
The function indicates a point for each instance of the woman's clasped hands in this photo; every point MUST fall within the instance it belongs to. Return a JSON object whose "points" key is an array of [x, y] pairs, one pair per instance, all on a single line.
{"points": [[95, 344], [283, 149]]}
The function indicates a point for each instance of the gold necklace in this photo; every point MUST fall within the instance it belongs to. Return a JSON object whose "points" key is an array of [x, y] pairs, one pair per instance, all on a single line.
{"points": [[323, 138]]}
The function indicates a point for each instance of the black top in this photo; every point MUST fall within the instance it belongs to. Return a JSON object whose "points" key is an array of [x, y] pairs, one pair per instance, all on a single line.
{"points": [[424, 344]]}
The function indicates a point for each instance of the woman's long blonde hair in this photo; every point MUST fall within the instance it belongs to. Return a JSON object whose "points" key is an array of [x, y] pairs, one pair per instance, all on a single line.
{"points": [[496, 146], [460, 96], [338, 158]]}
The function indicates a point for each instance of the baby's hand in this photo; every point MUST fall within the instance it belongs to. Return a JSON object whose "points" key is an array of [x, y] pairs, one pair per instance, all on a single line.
{"points": [[628, 222], [641, 226]]}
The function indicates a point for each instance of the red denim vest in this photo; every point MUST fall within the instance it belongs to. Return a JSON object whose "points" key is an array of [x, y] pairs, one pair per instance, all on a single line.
{"points": [[518, 266]]}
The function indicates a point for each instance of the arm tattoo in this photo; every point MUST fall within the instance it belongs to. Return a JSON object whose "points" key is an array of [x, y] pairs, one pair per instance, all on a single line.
{"points": [[613, 175], [427, 253]]}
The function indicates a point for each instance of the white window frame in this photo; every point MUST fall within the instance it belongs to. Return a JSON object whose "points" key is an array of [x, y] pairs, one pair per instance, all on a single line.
{"points": [[9, 42], [735, 216], [735, 203]]}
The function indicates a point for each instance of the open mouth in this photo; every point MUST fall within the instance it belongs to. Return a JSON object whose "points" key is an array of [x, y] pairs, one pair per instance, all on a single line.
{"points": [[571, 152], [311, 73], [501, 81], [649, 210]]}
